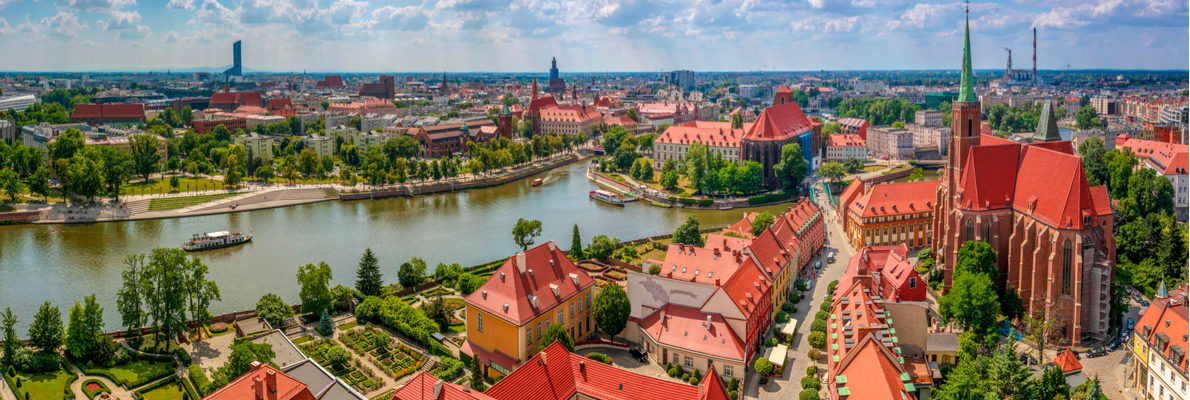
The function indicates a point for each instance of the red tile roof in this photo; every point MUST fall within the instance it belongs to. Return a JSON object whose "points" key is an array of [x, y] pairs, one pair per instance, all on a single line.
{"points": [[423, 386], [686, 328], [568, 113], [893, 266], [541, 102], [556, 374], [987, 183], [244, 387], [1068, 362], [524, 287], [711, 136], [872, 372], [779, 122], [1055, 185], [845, 140], [748, 287], [896, 198], [1166, 158], [86, 111], [489, 357], [1163, 326], [240, 98], [706, 265], [853, 122]]}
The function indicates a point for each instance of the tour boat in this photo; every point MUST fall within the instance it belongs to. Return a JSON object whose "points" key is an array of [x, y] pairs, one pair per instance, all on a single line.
{"points": [[606, 197], [215, 240], [538, 182]]}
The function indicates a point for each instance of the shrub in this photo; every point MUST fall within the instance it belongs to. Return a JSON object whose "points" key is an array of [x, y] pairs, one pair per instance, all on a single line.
{"points": [[787, 307], [448, 368], [182, 356], [817, 340], [733, 384], [818, 326], [782, 317], [655, 269], [706, 202], [814, 354], [808, 394], [685, 377], [686, 201], [326, 326], [826, 306], [802, 285], [821, 315], [733, 394], [831, 287], [201, 382], [812, 370], [763, 366], [767, 198], [770, 342], [811, 382], [693, 380], [603, 358]]}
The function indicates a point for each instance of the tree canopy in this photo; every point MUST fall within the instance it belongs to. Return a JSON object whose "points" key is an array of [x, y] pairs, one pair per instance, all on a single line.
{"points": [[611, 309]]}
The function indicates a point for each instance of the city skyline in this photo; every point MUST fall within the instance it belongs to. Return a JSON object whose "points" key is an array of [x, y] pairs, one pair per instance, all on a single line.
{"points": [[518, 36]]}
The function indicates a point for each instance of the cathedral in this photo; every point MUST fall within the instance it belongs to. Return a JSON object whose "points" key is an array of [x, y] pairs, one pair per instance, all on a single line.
{"points": [[1052, 232]]}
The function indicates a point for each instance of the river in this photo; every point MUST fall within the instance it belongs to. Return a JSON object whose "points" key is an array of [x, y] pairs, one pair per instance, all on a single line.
{"points": [[471, 227]]}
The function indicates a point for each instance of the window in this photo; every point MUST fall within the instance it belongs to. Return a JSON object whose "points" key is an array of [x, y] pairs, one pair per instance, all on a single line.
{"points": [[1067, 258], [547, 322], [539, 330], [913, 282], [561, 315], [479, 322], [529, 335], [571, 310], [970, 233], [727, 370], [987, 231], [675, 358], [689, 362]]}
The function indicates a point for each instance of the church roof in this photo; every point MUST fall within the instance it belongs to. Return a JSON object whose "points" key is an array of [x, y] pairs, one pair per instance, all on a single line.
{"points": [[779, 122], [967, 80], [1047, 124]]}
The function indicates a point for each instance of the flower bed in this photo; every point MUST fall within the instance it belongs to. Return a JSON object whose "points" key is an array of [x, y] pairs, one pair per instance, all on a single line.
{"points": [[359, 377], [396, 361], [93, 387]]}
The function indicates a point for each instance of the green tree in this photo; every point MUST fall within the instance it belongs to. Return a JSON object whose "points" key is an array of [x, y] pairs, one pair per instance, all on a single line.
{"points": [[853, 165], [84, 330], [200, 291], [525, 231], [611, 309], [315, 292], [39, 182], [763, 366], [1087, 118], [11, 343], [971, 303], [11, 183], [1093, 153], [762, 221], [688, 232], [84, 176], [337, 357], [45, 332], [601, 247], [737, 121], [273, 310], [669, 180], [697, 165], [979, 257], [129, 299], [412, 272], [368, 279], [1151, 193], [165, 291], [792, 168], [833, 171], [477, 376], [241, 358], [1051, 385], [307, 162], [556, 333], [576, 245], [144, 155]]}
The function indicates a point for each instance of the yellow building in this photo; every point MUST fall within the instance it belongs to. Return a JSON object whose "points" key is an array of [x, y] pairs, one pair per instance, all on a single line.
{"points": [[509, 314]]}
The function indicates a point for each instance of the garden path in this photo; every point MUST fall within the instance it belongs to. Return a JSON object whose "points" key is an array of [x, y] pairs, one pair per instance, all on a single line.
{"points": [[118, 392], [389, 382]]}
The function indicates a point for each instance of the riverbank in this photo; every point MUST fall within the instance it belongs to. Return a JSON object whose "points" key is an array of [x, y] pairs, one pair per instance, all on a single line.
{"points": [[637, 190], [149, 207]]}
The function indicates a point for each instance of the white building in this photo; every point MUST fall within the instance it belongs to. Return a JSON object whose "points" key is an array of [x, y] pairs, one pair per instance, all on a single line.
{"points": [[931, 118], [1169, 160], [17, 103], [258, 146], [676, 140], [840, 147], [894, 143], [323, 145]]}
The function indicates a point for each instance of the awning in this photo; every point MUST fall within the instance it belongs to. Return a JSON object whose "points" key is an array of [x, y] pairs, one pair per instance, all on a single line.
{"points": [[777, 355], [790, 327]]}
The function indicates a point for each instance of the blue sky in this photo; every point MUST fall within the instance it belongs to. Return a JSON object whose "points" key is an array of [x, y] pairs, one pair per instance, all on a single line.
{"points": [[595, 35]]}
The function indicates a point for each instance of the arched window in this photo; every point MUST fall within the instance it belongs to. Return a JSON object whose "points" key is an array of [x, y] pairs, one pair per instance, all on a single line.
{"points": [[970, 230], [987, 231], [1067, 259]]}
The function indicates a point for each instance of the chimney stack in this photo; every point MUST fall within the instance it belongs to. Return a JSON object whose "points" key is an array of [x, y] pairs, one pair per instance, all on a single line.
{"points": [[520, 262], [438, 389], [258, 388], [553, 246], [270, 380], [255, 365]]}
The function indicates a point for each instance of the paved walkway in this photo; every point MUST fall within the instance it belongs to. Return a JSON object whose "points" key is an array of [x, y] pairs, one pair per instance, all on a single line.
{"points": [[789, 385], [6, 392], [117, 391]]}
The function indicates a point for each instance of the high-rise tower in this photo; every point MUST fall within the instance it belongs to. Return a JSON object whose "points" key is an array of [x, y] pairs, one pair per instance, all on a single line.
{"points": [[237, 67]]}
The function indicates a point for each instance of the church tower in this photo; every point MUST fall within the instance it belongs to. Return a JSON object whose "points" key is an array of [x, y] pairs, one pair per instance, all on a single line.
{"points": [[965, 115]]}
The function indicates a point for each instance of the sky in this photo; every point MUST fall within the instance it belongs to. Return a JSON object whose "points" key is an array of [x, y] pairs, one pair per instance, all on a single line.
{"points": [[587, 36]]}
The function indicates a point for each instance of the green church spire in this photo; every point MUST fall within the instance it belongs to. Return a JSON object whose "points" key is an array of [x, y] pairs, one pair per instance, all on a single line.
{"points": [[966, 82]]}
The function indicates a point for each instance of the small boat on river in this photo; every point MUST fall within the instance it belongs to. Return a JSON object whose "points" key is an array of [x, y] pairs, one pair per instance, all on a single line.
{"points": [[606, 197], [215, 240], [537, 182]]}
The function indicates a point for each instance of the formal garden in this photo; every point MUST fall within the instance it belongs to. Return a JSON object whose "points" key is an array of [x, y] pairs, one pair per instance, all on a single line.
{"points": [[396, 359], [49, 385], [337, 360]]}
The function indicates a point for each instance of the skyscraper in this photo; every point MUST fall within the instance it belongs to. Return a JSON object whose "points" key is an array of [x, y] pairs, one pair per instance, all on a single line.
{"points": [[237, 68]]}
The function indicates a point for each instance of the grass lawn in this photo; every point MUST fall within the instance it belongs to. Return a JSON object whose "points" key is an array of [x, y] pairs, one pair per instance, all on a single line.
{"points": [[171, 203], [149, 345], [161, 185], [457, 328], [44, 386], [302, 339], [169, 391], [873, 168], [133, 373], [348, 325]]}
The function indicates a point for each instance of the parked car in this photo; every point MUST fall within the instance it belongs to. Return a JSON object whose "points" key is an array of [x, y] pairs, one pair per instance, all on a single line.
{"points": [[1096, 352], [638, 355], [1130, 325]]}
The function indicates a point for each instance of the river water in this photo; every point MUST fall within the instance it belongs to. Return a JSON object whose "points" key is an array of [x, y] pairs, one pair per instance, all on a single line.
{"points": [[471, 227]]}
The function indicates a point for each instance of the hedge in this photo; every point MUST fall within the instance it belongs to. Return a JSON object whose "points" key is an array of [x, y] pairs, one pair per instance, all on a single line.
{"points": [[686, 201], [102, 388], [200, 380], [768, 198], [603, 358], [402, 317], [706, 203], [158, 384]]}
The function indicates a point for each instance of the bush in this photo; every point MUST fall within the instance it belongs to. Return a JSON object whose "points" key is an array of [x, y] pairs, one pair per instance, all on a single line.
{"points": [[818, 326], [787, 307], [826, 305], [782, 317], [686, 201], [802, 285], [821, 315], [814, 354], [811, 382], [408, 321], [795, 297], [326, 326], [770, 342], [603, 358], [733, 394], [685, 377], [812, 370], [817, 340], [831, 287], [706, 203], [182, 356], [733, 384], [655, 269], [448, 368], [763, 366], [808, 394], [201, 382], [768, 198]]}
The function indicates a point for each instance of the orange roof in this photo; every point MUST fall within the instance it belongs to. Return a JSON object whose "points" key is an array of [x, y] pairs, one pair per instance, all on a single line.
{"points": [[845, 140], [240, 98], [568, 113], [1166, 158], [108, 111], [1055, 185], [1164, 325], [1068, 362], [529, 284], [556, 374], [707, 265], [711, 136], [779, 123], [892, 264], [686, 328], [426, 387], [871, 372], [274, 384], [896, 198], [747, 287]]}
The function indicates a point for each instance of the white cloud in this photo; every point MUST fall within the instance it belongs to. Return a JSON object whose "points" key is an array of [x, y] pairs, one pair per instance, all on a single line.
{"points": [[91, 5], [411, 18], [187, 5], [65, 24]]}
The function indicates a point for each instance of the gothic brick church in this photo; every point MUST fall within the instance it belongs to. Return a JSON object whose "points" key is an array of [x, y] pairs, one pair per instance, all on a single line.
{"points": [[1052, 232]]}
